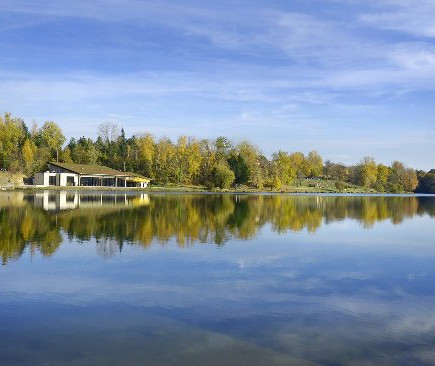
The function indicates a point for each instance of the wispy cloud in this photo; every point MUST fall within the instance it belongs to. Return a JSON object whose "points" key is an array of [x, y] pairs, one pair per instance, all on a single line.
{"points": [[290, 66], [413, 17]]}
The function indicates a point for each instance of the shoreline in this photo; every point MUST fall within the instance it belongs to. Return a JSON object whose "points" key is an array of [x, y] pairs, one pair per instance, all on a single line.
{"points": [[198, 190]]}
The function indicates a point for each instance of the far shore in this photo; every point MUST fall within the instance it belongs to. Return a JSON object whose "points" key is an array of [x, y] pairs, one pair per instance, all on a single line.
{"points": [[196, 189]]}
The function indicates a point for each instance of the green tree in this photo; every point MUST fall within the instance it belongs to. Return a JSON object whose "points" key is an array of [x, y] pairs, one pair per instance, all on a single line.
{"points": [[340, 185], [368, 171], [85, 151], [299, 164], [164, 161], [146, 151], [410, 181], [397, 173], [315, 164], [283, 168], [51, 136], [12, 137], [427, 183], [251, 155], [223, 176], [28, 153], [223, 147], [241, 170], [383, 174]]}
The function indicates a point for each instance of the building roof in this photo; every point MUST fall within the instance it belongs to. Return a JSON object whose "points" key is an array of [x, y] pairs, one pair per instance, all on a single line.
{"points": [[93, 169]]}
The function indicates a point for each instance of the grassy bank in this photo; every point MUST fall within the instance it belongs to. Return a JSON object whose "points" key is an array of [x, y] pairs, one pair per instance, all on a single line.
{"points": [[304, 186], [11, 180]]}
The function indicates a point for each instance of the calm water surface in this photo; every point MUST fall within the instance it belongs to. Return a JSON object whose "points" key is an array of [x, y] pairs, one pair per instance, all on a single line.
{"points": [[110, 279]]}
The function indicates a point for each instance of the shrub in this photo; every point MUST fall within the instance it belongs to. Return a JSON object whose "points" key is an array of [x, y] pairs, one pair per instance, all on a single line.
{"points": [[393, 188], [223, 176], [340, 185]]}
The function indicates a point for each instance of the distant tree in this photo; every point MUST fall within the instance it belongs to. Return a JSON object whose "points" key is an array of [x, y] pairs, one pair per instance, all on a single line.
{"points": [[123, 150], [85, 151], [275, 182], [368, 172], [65, 155], [12, 137], [315, 164], [223, 176], [223, 147], [397, 173], [240, 168], [340, 185], [193, 160], [282, 168], [164, 161], [382, 174], [251, 155], [336, 171], [299, 164], [208, 162], [109, 132], [410, 181], [51, 136], [146, 148], [28, 152], [427, 183]]}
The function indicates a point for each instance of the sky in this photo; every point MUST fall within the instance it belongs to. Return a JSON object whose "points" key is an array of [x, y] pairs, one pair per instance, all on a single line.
{"points": [[348, 78]]}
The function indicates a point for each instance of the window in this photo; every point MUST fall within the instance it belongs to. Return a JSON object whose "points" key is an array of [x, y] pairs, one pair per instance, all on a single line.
{"points": [[52, 180], [69, 181]]}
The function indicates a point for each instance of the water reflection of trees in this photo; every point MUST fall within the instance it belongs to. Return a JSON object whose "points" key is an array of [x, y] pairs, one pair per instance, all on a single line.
{"points": [[191, 218]]}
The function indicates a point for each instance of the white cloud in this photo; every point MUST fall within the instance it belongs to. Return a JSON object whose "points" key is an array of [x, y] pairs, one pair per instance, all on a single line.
{"points": [[415, 17]]}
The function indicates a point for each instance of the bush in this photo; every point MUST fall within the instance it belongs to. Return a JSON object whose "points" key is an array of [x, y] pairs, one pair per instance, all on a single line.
{"points": [[223, 176], [393, 188], [340, 185], [379, 187], [275, 182]]}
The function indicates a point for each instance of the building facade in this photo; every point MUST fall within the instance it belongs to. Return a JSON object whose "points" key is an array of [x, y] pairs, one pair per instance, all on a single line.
{"points": [[69, 174]]}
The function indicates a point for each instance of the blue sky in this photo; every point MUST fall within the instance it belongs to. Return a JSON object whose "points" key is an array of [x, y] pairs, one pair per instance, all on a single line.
{"points": [[346, 77]]}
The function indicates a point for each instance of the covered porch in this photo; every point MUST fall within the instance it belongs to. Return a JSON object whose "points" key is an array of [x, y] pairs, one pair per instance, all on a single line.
{"points": [[112, 181]]}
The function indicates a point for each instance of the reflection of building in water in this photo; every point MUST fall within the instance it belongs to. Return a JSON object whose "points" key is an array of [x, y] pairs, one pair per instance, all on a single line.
{"points": [[65, 200]]}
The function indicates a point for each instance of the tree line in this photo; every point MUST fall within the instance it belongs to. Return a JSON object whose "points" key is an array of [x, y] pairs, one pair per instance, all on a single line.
{"points": [[209, 162]]}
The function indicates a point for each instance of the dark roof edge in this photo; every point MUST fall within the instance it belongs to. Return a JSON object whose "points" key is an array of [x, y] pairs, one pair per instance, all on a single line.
{"points": [[54, 163]]}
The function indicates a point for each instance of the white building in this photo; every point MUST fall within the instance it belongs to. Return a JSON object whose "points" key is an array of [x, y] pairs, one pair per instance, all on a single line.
{"points": [[69, 174]]}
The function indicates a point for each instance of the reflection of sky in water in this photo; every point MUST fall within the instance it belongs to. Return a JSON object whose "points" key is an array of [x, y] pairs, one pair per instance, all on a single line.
{"points": [[344, 295]]}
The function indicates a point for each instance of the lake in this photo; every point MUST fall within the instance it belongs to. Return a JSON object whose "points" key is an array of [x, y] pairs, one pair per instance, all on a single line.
{"points": [[208, 279]]}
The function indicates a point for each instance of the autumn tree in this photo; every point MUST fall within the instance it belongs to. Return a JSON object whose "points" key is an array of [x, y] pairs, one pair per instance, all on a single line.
{"points": [[145, 145], [383, 172], [28, 153], [368, 172], [164, 161], [12, 137], [84, 151], [410, 181], [223, 176], [251, 155], [315, 164], [51, 136], [283, 170], [299, 164]]}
